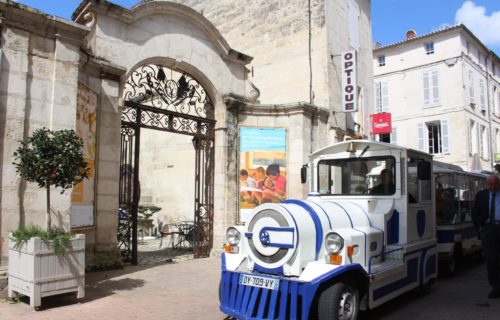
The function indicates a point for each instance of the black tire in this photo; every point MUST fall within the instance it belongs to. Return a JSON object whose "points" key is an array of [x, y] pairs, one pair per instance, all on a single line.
{"points": [[339, 302], [449, 267], [426, 288]]}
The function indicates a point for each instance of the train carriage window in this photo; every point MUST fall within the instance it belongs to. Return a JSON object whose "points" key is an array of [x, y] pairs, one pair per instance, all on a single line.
{"points": [[450, 188], [357, 176], [413, 195], [419, 182], [426, 189]]}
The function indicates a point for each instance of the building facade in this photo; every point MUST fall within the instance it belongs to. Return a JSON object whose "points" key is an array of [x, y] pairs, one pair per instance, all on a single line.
{"points": [[443, 92], [168, 71]]}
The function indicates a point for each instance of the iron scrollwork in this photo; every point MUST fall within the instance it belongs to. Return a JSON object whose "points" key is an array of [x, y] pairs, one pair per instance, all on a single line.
{"points": [[166, 89]]}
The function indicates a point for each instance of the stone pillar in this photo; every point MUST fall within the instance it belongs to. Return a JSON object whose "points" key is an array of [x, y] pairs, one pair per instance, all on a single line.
{"points": [[103, 252]]}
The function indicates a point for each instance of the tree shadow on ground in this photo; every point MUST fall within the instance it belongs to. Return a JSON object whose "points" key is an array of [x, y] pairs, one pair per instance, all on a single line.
{"points": [[108, 287]]}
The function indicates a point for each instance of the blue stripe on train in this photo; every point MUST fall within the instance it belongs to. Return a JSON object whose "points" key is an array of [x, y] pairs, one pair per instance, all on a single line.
{"points": [[448, 236], [316, 220]]}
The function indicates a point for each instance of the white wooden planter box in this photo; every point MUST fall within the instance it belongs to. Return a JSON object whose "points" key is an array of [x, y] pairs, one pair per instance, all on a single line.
{"points": [[36, 271]]}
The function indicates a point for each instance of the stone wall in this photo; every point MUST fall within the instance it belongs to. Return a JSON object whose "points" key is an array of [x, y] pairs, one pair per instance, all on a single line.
{"points": [[276, 34]]}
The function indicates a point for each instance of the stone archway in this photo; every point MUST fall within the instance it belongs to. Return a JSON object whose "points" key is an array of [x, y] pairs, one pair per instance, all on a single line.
{"points": [[160, 98]]}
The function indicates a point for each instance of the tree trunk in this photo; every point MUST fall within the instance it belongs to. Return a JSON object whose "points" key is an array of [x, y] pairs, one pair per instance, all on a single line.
{"points": [[48, 226]]}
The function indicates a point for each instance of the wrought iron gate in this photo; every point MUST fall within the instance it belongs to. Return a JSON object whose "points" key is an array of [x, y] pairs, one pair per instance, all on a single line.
{"points": [[162, 99]]}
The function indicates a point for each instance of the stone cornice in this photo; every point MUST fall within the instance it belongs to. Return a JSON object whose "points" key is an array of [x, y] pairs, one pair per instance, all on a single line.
{"points": [[129, 16], [245, 107], [100, 67], [22, 17]]}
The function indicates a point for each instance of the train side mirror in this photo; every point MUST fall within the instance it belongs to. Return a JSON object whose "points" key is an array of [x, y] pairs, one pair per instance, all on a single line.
{"points": [[424, 170], [303, 174]]}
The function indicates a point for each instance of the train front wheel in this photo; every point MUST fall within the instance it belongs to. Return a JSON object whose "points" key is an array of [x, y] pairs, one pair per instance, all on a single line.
{"points": [[339, 302]]}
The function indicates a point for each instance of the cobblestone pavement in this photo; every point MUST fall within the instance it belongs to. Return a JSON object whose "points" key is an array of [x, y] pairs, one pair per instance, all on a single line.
{"points": [[171, 285], [157, 250]]}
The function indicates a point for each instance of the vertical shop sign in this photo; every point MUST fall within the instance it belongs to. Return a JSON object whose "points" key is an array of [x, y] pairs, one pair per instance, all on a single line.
{"points": [[349, 82]]}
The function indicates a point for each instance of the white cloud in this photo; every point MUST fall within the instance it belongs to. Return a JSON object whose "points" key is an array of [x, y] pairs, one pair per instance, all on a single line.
{"points": [[485, 27]]}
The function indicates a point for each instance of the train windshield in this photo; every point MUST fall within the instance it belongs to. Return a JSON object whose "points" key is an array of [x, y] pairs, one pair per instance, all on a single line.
{"points": [[357, 176]]}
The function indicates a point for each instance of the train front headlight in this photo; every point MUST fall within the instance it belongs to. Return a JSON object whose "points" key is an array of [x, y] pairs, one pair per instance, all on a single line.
{"points": [[334, 243], [233, 236]]}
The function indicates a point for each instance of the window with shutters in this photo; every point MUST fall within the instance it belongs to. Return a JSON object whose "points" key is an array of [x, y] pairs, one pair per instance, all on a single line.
{"points": [[471, 88], [381, 97], [433, 137], [431, 87]]}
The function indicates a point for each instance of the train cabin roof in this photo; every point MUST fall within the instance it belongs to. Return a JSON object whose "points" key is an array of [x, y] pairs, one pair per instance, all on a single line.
{"points": [[360, 145]]}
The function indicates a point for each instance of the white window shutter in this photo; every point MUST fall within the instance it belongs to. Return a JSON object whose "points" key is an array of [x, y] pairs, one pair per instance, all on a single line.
{"points": [[420, 135], [435, 87], [487, 143], [394, 135], [378, 107], [481, 93], [471, 128], [385, 96], [471, 86], [427, 98], [481, 145], [445, 137]]}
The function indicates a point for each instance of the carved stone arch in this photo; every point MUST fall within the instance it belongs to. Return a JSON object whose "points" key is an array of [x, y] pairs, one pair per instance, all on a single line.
{"points": [[159, 95]]}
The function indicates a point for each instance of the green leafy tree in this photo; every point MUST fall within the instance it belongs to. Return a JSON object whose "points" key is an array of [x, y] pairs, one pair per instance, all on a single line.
{"points": [[51, 158]]}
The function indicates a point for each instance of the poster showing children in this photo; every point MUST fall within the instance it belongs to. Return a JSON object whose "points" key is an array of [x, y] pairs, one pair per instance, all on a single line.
{"points": [[262, 167]]}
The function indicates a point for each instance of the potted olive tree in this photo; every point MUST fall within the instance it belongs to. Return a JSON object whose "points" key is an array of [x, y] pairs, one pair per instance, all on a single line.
{"points": [[51, 261]]}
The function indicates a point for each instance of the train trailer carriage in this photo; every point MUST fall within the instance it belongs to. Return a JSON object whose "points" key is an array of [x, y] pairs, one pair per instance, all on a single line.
{"points": [[456, 234], [365, 235]]}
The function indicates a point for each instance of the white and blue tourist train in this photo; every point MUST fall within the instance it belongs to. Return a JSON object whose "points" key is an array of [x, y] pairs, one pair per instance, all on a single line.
{"points": [[365, 235]]}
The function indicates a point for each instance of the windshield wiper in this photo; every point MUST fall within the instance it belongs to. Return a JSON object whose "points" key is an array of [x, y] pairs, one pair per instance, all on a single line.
{"points": [[364, 150]]}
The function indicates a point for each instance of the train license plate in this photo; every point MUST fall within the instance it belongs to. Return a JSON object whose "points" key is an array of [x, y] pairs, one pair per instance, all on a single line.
{"points": [[259, 282]]}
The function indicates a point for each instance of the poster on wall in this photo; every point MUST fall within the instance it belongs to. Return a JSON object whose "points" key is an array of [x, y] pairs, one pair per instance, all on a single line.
{"points": [[82, 196], [262, 168]]}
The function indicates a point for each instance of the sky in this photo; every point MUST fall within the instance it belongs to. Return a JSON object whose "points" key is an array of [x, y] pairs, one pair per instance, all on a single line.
{"points": [[390, 18]]}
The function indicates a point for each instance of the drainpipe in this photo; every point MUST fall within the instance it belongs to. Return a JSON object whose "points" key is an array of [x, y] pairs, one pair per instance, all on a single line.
{"points": [[490, 111], [311, 95]]}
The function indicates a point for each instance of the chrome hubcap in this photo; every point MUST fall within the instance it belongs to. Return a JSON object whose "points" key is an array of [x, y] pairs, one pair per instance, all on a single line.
{"points": [[347, 305]]}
